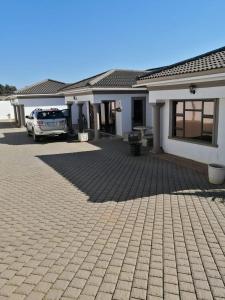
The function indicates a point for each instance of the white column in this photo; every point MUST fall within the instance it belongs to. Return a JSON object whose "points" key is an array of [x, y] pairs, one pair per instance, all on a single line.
{"points": [[80, 114], [15, 114], [22, 115], [88, 115], [18, 115], [96, 120], [156, 127]]}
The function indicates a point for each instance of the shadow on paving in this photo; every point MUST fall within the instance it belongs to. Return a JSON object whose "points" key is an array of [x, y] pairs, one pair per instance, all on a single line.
{"points": [[16, 138], [21, 138], [112, 174]]}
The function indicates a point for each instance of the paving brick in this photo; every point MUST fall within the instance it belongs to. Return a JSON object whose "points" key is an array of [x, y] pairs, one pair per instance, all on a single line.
{"points": [[15, 297], [138, 293], [60, 284], [24, 289], [43, 286], [104, 296], [187, 286], [33, 279], [121, 295], [90, 290], [187, 295], [155, 290], [50, 277], [36, 296], [7, 290], [72, 292], [107, 287], [204, 294], [74, 238], [54, 294], [17, 280], [124, 285]]}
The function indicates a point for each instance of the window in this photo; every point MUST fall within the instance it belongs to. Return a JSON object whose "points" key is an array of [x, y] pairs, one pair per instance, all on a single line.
{"points": [[50, 114], [195, 120]]}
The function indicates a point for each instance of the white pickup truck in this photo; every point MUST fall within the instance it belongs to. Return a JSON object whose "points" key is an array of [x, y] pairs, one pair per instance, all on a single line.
{"points": [[49, 122]]}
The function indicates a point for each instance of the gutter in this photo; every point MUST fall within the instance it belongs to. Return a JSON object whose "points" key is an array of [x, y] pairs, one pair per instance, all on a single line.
{"points": [[193, 79], [92, 90]]}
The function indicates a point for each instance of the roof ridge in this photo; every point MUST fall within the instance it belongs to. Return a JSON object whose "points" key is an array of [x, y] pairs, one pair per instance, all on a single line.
{"points": [[49, 79], [70, 84], [186, 61], [129, 70], [100, 77]]}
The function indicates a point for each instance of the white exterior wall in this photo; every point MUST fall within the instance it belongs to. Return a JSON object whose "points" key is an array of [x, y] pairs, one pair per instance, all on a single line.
{"points": [[124, 118], [74, 108], [6, 109], [197, 152], [44, 103]]}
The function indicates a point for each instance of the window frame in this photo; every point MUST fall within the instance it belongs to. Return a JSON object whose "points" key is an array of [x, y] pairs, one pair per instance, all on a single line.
{"points": [[174, 115]]}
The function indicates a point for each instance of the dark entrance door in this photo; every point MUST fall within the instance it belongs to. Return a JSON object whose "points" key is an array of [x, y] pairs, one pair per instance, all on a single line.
{"points": [[108, 117], [138, 112]]}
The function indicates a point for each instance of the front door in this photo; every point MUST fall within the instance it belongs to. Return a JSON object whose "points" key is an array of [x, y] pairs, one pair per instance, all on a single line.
{"points": [[108, 117], [138, 111]]}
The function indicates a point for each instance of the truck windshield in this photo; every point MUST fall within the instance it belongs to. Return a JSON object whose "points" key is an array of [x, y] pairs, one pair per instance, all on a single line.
{"points": [[53, 114]]}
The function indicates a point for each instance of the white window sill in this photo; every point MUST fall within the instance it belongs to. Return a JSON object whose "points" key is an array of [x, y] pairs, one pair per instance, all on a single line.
{"points": [[192, 142]]}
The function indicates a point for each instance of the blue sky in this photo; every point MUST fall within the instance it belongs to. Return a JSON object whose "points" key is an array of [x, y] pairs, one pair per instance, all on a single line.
{"points": [[68, 40]]}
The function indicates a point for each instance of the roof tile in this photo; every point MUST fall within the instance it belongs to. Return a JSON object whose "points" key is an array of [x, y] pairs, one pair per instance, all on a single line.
{"points": [[208, 61], [48, 86], [112, 79]]}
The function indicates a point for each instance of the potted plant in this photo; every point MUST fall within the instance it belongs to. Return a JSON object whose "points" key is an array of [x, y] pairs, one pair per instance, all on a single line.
{"points": [[82, 135], [216, 173]]}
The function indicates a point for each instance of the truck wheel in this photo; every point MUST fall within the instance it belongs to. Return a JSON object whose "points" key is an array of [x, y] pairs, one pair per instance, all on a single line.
{"points": [[36, 138], [28, 133]]}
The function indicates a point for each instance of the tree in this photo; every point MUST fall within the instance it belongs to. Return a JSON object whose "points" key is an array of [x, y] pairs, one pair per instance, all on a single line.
{"points": [[7, 89]]}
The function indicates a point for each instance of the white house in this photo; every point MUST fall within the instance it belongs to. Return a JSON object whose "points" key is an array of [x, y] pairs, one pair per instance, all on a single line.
{"points": [[43, 95], [188, 100], [109, 103]]}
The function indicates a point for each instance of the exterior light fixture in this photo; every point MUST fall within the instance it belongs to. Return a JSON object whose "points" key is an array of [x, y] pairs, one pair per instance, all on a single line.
{"points": [[192, 89]]}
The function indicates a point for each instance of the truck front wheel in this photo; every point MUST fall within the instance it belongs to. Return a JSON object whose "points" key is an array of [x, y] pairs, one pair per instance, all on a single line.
{"points": [[36, 138]]}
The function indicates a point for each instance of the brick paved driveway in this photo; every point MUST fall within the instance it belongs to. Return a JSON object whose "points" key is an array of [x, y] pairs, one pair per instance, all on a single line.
{"points": [[85, 221]]}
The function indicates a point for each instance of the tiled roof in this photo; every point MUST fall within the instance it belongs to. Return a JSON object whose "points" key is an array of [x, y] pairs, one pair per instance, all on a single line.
{"points": [[119, 78], [47, 86], [208, 61], [82, 83], [108, 79]]}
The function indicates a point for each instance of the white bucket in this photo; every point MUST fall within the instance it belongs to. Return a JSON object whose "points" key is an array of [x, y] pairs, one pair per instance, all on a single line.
{"points": [[83, 136], [216, 173]]}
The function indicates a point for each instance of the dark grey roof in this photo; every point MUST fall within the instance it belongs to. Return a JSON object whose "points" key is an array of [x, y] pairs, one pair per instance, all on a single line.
{"points": [[119, 78], [47, 86], [208, 61], [82, 83], [108, 79]]}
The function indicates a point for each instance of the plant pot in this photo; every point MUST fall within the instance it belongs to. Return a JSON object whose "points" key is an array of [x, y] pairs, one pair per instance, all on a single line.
{"points": [[135, 149], [216, 173], [83, 136]]}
